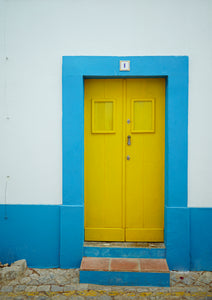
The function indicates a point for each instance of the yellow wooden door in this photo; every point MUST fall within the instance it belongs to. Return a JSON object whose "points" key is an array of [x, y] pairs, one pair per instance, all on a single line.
{"points": [[124, 159]]}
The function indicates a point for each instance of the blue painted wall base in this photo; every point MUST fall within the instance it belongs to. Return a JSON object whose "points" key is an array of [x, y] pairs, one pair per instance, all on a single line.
{"points": [[51, 236], [31, 232], [201, 239]]}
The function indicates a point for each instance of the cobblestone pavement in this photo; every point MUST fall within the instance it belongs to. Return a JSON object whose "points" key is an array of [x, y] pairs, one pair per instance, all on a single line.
{"points": [[63, 284]]}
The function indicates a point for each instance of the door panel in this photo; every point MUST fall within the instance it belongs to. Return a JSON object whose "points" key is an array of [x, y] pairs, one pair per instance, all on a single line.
{"points": [[103, 160], [124, 199], [145, 169]]}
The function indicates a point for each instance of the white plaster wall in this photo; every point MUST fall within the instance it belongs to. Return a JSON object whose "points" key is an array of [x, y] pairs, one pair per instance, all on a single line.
{"points": [[35, 34]]}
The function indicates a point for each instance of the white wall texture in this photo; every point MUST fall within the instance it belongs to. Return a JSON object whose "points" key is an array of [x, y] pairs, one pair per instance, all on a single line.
{"points": [[35, 34]]}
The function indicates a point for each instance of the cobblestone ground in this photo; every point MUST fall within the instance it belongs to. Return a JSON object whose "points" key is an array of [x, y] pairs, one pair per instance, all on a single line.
{"points": [[62, 284]]}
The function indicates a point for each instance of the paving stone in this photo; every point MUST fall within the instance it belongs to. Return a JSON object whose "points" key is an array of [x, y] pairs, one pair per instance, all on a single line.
{"points": [[13, 282], [105, 297], [47, 280], [33, 282], [68, 288], [57, 288], [6, 288], [76, 287], [195, 297], [61, 272], [19, 288], [205, 278], [80, 287], [183, 278], [34, 277], [43, 288], [24, 280], [40, 271], [72, 276], [170, 298], [91, 297], [62, 280], [9, 273], [106, 288], [60, 297], [74, 280], [28, 272], [76, 298], [31, 289], [125, 297]]}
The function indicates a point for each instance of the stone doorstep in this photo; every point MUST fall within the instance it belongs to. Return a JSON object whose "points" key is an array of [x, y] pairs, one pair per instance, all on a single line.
{"points": [[124, 265], [125, 271]]}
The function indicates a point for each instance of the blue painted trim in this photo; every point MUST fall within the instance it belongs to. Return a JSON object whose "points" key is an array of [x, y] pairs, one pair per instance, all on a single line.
{"points": [[124, 252], [175, 69], [71, 239], [125, 278], [178, 238]]}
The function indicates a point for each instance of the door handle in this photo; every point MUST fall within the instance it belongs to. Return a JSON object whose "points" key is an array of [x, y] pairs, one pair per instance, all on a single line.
{"points": [[128, 140]]}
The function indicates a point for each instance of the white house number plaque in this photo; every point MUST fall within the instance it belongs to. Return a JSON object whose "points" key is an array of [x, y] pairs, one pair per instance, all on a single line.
{"points": [[124, 65]]}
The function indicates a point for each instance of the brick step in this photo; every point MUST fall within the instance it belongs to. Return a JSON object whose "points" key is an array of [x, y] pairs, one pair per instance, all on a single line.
{"points": [[125, 250], [124, 271]]}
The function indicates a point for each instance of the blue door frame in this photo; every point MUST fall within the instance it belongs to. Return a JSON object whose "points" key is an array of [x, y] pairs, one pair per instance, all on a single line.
{"points": [[175, 70]]}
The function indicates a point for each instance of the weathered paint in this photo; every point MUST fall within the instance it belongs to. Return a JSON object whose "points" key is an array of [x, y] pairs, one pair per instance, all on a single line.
{"points": [[124, 252], [125, 278]]}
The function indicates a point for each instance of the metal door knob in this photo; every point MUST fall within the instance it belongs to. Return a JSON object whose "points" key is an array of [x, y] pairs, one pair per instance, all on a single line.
{"points": [[128, 157]]}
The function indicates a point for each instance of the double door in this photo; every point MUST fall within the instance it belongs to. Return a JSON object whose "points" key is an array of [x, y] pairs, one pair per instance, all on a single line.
{"points": [[124, 144]]}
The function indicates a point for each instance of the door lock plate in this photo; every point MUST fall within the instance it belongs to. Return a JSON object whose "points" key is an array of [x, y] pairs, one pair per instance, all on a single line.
{"points": [[128, 140]]}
